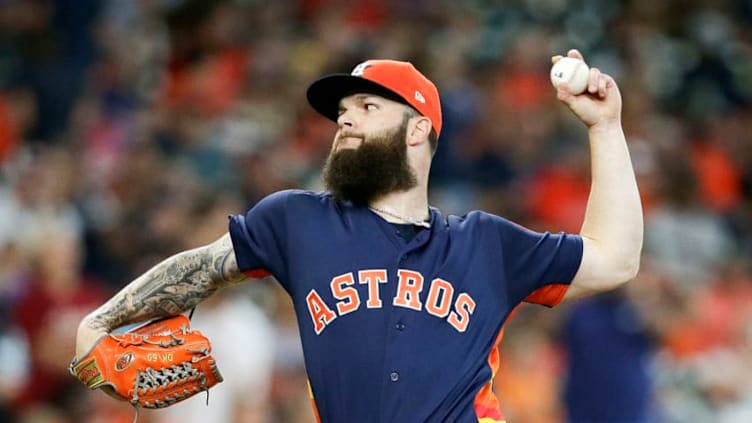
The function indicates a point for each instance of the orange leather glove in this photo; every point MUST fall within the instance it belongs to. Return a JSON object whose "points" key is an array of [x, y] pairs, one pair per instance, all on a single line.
{"points": [[153, 366]]}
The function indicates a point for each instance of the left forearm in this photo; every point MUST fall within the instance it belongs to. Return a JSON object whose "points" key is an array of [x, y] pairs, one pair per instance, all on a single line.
{"points": [[173, 286]]}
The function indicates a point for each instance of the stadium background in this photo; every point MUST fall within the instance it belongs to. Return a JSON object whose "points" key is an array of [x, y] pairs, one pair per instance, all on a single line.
{"points": [[129, 130]]}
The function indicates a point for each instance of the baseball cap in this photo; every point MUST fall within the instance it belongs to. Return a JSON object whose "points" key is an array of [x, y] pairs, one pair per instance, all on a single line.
{"points": [[388, 78]]}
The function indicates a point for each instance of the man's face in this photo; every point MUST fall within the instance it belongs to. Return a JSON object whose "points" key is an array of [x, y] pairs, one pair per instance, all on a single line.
{"points": [[369, 153]]}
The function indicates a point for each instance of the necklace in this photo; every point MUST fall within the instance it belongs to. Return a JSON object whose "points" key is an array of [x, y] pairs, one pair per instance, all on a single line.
{"points": [[417, 222]]}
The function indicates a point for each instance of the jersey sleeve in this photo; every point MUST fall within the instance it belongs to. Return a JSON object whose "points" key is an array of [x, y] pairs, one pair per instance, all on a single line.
{"points": [[539, 266], [259, 237]]}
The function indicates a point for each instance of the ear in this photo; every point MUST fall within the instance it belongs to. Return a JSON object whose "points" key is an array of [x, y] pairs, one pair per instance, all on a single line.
{"points": [[419, 130]]}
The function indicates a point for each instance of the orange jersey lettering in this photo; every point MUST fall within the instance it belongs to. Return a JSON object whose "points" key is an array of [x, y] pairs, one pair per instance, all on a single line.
{"points": [[409, 285], [373, 278], [320, 313], [439, 298], [464, 307], [342, 291]]}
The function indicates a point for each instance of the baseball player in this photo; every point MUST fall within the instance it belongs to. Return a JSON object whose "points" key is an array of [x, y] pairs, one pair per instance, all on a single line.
{"points": [[400, 307]]}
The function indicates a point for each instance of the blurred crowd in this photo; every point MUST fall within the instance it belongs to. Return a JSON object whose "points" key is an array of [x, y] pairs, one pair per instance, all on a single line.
{"points": [[130, 130]]}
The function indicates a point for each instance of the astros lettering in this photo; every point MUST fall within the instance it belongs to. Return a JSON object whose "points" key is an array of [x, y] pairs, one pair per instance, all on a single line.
{"points": [[440, 302]]}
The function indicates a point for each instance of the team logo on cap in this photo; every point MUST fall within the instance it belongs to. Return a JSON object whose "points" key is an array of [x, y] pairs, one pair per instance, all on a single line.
{"points": [[419, 97], [358, 71]]}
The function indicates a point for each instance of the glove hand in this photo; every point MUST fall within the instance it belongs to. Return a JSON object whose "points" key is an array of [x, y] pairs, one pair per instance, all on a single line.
{"points": [[152, 366], [86, 338]]}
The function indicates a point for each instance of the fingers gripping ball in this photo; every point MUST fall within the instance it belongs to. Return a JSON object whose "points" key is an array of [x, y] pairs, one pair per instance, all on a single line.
{"points": [[574, 72], [153, 366]]}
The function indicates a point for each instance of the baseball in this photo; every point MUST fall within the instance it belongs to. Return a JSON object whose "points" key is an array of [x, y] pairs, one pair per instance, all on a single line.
{"points": [[572, 71]]}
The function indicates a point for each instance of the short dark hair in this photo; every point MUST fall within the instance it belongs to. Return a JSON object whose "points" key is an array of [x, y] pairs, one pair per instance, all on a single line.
{"points": [[433, 138]]}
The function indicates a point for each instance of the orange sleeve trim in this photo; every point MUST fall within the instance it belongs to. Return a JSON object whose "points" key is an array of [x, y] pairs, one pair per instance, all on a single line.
{"points": [[548, 295], [313, 403], [486, 404], [257, 273]]}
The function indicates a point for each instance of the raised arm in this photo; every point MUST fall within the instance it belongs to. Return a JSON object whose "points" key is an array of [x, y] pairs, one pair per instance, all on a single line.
{"points": [[612, 231], [173, 286]]}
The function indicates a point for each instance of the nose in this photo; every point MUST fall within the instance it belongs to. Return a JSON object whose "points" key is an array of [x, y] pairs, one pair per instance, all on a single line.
{"points": [[345, 120]]}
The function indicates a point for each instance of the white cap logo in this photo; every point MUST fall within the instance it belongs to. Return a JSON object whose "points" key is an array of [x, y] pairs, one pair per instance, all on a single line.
{"points": [[358, 71], [419, 97]]}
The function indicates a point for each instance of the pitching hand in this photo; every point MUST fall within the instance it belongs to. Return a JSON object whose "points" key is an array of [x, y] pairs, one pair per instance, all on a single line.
{"points": [[600, 104]]}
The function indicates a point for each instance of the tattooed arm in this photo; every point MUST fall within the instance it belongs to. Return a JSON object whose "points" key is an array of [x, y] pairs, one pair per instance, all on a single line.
{"points": [[173, 286]]}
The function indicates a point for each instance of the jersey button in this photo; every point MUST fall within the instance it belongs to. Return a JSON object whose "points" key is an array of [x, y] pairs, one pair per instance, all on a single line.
{"points": [[394, 376], [400, 326]]}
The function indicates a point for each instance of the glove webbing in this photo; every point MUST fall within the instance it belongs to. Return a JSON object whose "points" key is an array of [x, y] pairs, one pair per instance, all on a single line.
{"points": [[152, 380]]}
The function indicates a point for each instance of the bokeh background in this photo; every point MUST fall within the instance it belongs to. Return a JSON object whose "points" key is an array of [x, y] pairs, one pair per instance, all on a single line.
{"points": [[129, 130]]}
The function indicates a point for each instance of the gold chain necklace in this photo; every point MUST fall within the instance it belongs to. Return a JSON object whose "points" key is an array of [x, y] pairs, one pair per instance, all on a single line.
{"points": [[416, 222]]}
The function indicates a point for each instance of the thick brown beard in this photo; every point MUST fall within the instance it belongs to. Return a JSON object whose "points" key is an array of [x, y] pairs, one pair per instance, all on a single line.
{"points": [[377, 167]]}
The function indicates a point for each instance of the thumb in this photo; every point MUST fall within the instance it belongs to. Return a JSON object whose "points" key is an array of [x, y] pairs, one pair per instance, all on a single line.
{"points": [[86, 339]]}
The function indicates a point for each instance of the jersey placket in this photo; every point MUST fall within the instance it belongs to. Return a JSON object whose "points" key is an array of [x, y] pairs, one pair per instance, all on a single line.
{"points": [[394, 373]]}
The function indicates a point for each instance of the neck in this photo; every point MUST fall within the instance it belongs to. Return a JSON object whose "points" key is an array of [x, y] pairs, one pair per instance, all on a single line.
{"points": [[412, 205]]}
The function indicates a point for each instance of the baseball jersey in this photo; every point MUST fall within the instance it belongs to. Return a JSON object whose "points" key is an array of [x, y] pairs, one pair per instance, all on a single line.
{"points": [[395, 330]]}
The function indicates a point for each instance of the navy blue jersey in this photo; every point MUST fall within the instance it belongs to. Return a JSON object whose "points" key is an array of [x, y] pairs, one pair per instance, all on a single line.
{"points": [[397, 331]]}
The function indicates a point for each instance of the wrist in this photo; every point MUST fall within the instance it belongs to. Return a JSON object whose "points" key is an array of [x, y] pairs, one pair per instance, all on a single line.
{"points": [[87, 335], [606, 126]]}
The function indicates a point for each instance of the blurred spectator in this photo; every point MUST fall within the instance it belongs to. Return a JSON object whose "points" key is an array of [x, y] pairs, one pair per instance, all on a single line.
{"points": [[609, 349], [14, 348], [48, 312], [526, 383], [17, 115], [687, 239]]}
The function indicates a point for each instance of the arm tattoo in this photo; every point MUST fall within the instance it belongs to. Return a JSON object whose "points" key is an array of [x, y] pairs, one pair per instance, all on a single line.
{"points": [[173, 286]]}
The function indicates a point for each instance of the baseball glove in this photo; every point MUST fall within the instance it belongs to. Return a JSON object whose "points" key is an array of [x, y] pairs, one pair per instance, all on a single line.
{"points": [[153, 366]]}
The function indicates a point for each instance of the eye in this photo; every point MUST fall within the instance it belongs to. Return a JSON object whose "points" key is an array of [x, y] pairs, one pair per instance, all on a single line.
{"points": [[371, 107]]}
